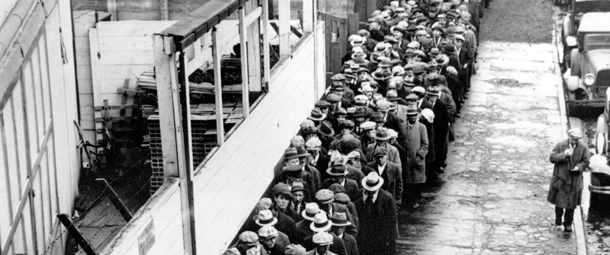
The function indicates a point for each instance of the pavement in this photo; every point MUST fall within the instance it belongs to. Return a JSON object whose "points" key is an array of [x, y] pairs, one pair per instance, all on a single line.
{"points": [[491, 198]]}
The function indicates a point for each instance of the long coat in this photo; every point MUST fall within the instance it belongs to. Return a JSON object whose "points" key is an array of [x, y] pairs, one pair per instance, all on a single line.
{"points": [[350, 244], [566, 186], [392, 177], [378, 225], [417, 148]]}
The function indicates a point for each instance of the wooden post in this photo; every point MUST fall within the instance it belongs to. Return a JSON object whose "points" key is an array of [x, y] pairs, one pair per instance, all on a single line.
{"points": [[220, 130], [283, 10], [113, 10], [185, 157], [253, 34], [266, 57], [353, 23], [245, 88], [316, 44], [165, 99], [308, 15]]}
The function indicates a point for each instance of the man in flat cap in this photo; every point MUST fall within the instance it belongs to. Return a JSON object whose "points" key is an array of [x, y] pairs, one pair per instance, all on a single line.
{"points": [[571, 158], [322, 240], [325, 199]]}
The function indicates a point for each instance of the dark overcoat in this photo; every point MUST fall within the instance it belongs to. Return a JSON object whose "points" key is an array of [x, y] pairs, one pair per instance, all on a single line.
{"points": [[566, 186], [378, 226]]}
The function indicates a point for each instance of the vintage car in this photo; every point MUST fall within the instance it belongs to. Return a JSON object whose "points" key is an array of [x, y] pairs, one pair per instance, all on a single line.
{"points": [[599, 165], [589, 74], [572, 19]]}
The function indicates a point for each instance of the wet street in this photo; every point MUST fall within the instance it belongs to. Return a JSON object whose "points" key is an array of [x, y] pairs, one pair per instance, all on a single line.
{"points": [[491, 198]]}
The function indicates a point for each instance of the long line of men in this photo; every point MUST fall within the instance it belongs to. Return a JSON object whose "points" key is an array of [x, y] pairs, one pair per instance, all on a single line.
{"points": [[378, 135]]}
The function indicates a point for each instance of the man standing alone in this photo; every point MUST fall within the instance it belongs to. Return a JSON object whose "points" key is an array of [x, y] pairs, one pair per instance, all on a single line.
{"points": [[571, 158]]}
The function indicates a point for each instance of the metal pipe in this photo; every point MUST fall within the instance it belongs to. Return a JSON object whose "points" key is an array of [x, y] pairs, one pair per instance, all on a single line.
{"points": [[164, 8]]}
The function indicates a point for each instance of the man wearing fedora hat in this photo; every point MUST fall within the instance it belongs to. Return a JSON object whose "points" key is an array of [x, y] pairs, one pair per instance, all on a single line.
{"points": [[308, 214], [377, 216], [381, 138], [293, 170], [339, 222], [317, 158], [389, 171], [326, 133], [338, 173], [286, 233], [320, 225], [325, 199], [571, 158], [300, 197], [440, 125], [416, 145], [316, 179]]}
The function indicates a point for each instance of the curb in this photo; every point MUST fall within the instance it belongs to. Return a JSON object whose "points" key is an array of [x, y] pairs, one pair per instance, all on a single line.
{"points": [[579, 229]]}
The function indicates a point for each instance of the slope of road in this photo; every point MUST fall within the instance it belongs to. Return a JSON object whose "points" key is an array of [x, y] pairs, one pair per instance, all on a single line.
{"points": [[491, 198]]}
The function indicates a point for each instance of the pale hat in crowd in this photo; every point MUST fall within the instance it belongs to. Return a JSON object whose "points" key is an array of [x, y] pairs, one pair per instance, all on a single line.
{"points": [[311, 209], [575, 133], [428, 115], [372, 182], [265, 217], [313, 143], [322, 238], [267, 231], [320, 223], [249, 238]]}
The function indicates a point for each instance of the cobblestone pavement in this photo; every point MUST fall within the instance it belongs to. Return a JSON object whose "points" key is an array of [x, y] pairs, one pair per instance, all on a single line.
{"points": [[491, 198]]}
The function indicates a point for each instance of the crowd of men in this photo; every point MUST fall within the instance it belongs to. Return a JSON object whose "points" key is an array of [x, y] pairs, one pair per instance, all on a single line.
{"points": [[379, 134]]}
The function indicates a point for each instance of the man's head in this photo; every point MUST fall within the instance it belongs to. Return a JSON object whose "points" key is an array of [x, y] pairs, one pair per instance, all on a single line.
{"points": [[298, 192], [340, 222], [381, 156], [574, 135], [322, 240], [281, 195], [267, 235], [412, 114]]}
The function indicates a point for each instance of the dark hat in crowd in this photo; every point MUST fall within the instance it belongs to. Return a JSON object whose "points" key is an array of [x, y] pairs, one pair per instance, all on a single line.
{"points": [[450, 31], [337, 77], [438, 28], [281, 189], [339, 219], [449, 49], [299, 186], [377, 117], [359, 112], [338, 87], [363, 69], [346, 124], [348, 143], [293, 170], [412, 111], [316, 115], [380, 152], [434, 52], [382, 135], [325, 128], [291, 153], [341, 198], [338, 169], [333, 98], [337, 188], [322, 104], [301, 151], [419, 69]]}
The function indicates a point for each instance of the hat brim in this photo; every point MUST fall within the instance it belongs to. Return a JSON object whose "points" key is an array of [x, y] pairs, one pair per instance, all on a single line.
{"points": [[304, 215], [329, 172], [321, 118], [322, 229], [341, 224], [332, 132], [273, 222], [382, 138], [372, 188]]}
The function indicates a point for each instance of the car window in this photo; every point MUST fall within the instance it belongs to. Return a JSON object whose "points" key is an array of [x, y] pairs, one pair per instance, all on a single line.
{"points": [[597, 41]]}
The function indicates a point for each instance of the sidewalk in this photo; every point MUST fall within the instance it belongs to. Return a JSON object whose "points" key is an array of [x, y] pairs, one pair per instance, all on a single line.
{"points": [[492, 199]]}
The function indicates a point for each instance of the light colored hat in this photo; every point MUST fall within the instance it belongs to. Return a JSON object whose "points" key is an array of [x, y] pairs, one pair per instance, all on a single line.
{"points": [[267, 231], [428, 115], [452, 70], [249, 238], [392, 133], [460, 37], [368, 125], [307, 123], [353, 154], [366, 87], [398, 70], [313, 143], [311, 209], [322, 238], [361, 99], [325, 196], [372, 181], [385, 105], [266, 218], [297, 140], [413, 44], [575, 133]]}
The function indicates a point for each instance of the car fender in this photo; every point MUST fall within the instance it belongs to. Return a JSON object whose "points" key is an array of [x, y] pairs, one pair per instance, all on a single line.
{"points": [[575, 62], [572, 83]]}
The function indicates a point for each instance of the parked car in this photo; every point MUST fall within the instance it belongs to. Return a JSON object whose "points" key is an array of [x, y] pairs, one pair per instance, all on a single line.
{"points": [[599, 165], [589, 74], [570, 22]]}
